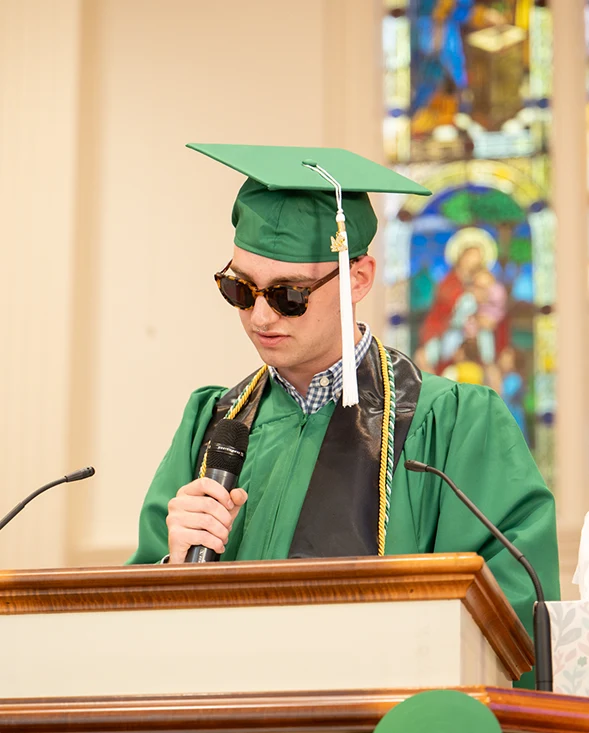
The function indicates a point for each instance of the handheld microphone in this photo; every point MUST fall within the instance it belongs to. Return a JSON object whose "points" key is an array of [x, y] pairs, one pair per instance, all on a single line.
{"points": [[78, 475], [542, 645], [225, 457]]}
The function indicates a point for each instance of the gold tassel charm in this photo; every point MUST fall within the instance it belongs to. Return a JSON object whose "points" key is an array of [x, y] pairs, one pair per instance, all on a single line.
{"points": [[339, 243]]}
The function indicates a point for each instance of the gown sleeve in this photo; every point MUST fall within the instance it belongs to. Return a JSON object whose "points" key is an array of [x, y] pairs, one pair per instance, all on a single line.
{"points": [[176, 470]]}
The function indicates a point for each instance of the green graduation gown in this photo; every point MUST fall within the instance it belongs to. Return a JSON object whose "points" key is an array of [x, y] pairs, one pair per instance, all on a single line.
{"points": [[465, 430]]}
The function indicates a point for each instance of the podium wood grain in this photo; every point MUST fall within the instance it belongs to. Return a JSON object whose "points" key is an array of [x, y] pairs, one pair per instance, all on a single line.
{"points": [[350, 711]]}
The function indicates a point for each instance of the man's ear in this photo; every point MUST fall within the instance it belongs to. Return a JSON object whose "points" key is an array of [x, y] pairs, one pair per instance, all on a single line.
{"points": [[362, 276]]}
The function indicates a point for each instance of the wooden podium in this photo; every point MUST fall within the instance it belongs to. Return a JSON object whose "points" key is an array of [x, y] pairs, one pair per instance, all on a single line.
{"points": [[288, 645]]}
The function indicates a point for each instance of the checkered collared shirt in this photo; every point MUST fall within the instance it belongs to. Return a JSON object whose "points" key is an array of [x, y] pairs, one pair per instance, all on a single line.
{"points": [[327, 385]]}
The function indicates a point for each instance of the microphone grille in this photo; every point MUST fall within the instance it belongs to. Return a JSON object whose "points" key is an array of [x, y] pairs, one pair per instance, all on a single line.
{"points": [[228, 446]]}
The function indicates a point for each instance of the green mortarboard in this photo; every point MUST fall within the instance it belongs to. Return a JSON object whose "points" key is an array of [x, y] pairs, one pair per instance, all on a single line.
{"points": [[293, 201], [439, 711], [280, 168], [285, 210]]}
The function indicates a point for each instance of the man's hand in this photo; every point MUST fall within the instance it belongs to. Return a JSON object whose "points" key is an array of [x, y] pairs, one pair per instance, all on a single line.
{"points": [[201, 513]]}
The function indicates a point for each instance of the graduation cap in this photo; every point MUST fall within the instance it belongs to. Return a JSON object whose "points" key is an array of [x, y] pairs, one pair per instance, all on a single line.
{"points": [[439, 711], [291, 208]]}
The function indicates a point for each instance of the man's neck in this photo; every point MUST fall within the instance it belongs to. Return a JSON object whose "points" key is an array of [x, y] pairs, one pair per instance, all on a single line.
{"points": [[301, 378], [300, 381]]}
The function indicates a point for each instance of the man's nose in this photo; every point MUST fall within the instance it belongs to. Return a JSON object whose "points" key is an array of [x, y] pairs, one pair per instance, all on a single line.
{"points": [[262, 314]]}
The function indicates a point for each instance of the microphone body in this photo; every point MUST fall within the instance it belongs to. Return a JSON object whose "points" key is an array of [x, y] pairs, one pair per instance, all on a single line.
{"points": [[542, 643], [78, 475], [225, 457]]}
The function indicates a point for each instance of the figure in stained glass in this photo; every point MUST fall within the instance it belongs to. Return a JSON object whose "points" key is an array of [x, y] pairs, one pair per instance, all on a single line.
{"points": [[468, 306], [512, 387], [439, 70], [470, 276]]}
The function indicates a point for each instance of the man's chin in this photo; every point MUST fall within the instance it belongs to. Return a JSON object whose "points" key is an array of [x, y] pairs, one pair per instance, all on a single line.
{"points": [[274, 359]]}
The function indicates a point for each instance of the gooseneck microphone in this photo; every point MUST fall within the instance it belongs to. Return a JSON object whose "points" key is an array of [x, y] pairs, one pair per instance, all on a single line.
{"points": [[542, 645], [78, 475], [225, 458]]}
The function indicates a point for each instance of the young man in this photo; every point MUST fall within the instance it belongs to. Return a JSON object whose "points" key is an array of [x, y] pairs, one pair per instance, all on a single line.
{"points": [[311, 482]]}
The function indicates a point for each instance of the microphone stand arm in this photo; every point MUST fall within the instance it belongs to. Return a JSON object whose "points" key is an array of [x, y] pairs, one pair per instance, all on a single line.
{"points": [[78, 475], [542, 628]]}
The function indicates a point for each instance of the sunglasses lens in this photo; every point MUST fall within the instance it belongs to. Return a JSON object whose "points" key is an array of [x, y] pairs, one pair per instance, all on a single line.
{"points": [[283, 299], [286, 301], [236, 292]]}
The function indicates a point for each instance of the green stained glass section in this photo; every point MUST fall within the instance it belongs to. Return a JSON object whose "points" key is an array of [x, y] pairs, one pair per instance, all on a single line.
{"points": [[469, 273]]}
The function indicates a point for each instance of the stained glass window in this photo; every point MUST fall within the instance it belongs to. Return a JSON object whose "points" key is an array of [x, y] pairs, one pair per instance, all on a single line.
{"points": [[469, 272]]}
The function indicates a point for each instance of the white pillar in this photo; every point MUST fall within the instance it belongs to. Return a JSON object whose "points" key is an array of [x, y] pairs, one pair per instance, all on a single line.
{"points": [[569, 154], [38, 117]]}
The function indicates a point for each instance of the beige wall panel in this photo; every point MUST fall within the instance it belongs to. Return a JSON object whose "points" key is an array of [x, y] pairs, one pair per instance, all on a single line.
{"points": [[354, 105], [38, 88]]}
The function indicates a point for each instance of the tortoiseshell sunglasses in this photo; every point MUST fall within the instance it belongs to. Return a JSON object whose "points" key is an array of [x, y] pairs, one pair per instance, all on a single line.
{"points": [[286, 300]]}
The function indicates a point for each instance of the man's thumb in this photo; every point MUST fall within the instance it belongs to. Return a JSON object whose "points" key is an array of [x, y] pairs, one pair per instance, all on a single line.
{"points": [[238, 497]]}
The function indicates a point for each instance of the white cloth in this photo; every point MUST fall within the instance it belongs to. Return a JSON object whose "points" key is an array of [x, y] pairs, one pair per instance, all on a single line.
{"points": [[581, 576]]}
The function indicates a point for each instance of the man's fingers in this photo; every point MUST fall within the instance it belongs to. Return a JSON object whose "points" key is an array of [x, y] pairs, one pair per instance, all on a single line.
{"points": [[208, 487], [177, 557], [202, 513], [181, 539], [199, 521], [199, 505]]}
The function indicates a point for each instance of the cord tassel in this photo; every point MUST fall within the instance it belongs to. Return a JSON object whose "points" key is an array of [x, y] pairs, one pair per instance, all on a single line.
{"points": [[350, 381]]}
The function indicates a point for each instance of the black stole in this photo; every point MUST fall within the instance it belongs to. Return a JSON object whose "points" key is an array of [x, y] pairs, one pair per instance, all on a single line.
{"points": [[339, 516]]}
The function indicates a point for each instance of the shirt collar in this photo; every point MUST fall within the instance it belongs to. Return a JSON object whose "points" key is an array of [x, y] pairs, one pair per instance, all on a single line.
{"points": [[320, 391]]}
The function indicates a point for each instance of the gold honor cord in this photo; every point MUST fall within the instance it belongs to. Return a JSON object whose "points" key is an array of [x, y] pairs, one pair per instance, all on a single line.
{"points": [[384, 449], [385, 443]]}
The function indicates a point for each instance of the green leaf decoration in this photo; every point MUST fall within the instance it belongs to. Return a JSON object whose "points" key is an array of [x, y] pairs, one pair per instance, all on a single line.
{"points": [[457, 208], [520, 250], [496, 207], [492, 206]]}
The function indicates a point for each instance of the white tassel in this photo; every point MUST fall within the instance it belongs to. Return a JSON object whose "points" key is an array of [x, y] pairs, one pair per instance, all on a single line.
{"points": [[339, 244], [350, 381]]}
